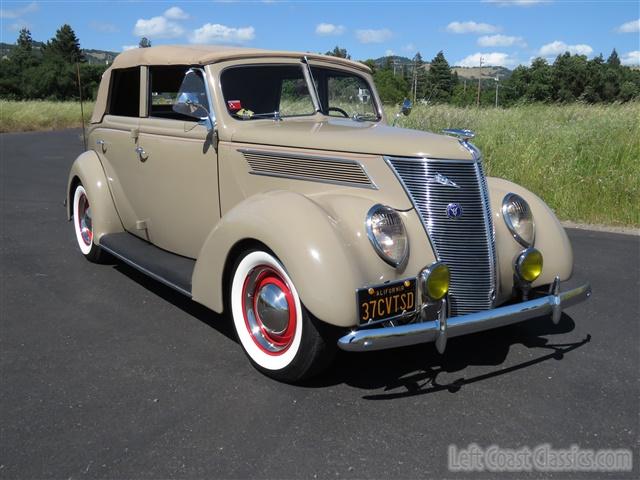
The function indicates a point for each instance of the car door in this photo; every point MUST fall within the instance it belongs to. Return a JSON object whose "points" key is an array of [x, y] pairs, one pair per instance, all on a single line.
{"points": [[178, 164], [116, 142]]}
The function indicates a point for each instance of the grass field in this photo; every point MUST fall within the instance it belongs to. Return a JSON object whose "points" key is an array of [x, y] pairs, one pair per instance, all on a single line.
{"points": [[41, 115], [583, 160]]}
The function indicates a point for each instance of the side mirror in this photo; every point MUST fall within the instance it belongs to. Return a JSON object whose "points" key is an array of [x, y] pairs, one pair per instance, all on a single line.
{"points": [[406, 107], [405, 110]]}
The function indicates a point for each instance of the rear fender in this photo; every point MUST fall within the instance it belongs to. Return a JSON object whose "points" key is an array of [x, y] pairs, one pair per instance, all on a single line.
{"points": [[87, 169]]}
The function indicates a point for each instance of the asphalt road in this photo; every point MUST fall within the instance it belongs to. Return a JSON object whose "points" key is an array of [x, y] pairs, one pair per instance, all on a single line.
{"points": [[107, 374]]}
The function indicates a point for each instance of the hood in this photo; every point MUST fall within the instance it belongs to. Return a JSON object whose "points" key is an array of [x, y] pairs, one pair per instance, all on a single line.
{"points": [[347, 135]]}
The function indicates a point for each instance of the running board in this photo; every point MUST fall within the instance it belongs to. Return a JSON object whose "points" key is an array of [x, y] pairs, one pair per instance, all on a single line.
{"points": [[173, 270]]}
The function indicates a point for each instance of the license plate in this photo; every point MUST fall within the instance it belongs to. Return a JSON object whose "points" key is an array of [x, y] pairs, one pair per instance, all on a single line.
{"points": [[386, 301]]}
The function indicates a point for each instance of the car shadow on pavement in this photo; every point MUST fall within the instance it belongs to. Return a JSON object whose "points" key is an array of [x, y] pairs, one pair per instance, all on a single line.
{"points": [[408, 371], [205, 315], [418, 370]]}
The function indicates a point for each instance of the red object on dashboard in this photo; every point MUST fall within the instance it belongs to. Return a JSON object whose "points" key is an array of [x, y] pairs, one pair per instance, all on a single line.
{"points": [[234, 105]]}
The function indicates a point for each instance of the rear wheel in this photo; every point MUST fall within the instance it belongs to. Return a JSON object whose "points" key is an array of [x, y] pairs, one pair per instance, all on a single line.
{"points": [[83, 225], [279, 336]]}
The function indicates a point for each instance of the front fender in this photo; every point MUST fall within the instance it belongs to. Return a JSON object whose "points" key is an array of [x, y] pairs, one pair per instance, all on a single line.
{"points": [[551, 239], [88, 170], [322, 243]]}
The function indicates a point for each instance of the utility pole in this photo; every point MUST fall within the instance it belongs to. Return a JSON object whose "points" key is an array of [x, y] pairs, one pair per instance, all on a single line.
{"points": [[497, 86], [479, 79]]}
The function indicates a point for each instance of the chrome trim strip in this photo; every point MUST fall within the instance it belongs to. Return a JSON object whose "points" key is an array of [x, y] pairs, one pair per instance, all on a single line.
{"points": [[414, 333], [292, 156], [488, 224], [155, 276]]}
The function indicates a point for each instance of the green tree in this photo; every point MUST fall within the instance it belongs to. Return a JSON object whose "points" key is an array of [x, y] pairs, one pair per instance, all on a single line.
{"points": [[440, 80], [339, 52], [65, 45], [419, 78], [391, 88], [144, 43], [614, 59], [539, 86]]}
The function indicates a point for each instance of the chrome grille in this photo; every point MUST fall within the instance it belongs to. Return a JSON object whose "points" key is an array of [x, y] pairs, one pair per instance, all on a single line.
{"points": [[306, 167], [465, 244]]}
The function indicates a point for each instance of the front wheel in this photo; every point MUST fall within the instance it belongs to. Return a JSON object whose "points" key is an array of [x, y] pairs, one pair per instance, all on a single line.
{"points": [[279, 336], [83, 225]]}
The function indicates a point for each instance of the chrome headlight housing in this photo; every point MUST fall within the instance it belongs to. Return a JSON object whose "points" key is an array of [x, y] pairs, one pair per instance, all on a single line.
{"points": [[519, 219], [387, 234]]}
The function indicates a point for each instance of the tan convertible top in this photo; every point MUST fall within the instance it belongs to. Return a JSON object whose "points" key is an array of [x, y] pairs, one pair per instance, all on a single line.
{"points": [[205, 54], [196, 55]]}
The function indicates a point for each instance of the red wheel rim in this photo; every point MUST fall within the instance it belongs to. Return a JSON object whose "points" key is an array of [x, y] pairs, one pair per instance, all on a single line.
{"points": [[84, 220], [260, 285]]}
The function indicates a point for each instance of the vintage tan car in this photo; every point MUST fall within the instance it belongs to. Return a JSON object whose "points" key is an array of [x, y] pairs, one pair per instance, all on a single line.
{"points": [[270, 186]]}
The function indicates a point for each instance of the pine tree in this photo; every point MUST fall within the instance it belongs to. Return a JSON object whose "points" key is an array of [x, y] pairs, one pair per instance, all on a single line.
{"points": [[65, 45], [440, 79], [614, 59], [144, 43]]}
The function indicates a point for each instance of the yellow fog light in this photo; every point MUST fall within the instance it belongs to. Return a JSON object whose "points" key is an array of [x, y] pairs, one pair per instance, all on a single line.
{"points": [[529, 265], [434, 281]]}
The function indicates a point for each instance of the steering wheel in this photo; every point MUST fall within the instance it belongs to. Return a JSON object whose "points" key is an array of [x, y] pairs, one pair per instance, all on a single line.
{"points": [[339, 110]]}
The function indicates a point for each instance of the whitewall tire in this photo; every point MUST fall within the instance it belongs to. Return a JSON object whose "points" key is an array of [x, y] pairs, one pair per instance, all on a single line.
{"points": [[83, 225], [278, 335]]}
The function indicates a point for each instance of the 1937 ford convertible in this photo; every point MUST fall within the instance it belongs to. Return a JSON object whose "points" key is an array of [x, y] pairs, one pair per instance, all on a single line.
{"points": [[269, 185]]}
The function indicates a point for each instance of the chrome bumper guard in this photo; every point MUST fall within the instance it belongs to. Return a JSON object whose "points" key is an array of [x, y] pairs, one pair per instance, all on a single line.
{"points": [[439, 330]]}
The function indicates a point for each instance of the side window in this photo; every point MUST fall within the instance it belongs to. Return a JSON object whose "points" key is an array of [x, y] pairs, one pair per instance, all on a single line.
{"points": [[124, 97], [169, 86]]}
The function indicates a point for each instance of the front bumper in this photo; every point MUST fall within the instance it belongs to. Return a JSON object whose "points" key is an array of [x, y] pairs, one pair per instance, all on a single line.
{"points": [[442, 328]]}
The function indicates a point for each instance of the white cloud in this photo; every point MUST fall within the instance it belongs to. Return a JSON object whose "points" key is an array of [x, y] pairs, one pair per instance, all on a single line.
{"points": [[471, 27], [176, 13], [501, 41], [19, 25], [20, 11], [326, 29], [373, 36], [128, 47], [217, 33], [558, 48], [389, 53], [157, 27], [631, 58], [629, 27], [519, 3], [409, 47], [493, 59]]}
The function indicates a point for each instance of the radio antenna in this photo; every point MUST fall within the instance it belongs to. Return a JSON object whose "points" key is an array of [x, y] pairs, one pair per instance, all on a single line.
{"points": [[84, 135]]}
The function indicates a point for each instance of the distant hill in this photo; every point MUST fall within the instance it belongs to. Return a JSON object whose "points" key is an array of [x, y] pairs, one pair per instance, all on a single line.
{"points": [[92, 56], [485, 73]]}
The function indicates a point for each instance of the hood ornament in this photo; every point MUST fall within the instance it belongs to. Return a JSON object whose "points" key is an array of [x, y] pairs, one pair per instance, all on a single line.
{"points": [[463, 134], [442, 180]]}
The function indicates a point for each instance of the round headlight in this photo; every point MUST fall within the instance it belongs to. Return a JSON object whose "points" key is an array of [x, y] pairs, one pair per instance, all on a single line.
{"points": [[434, 281], [519, 219], [529, 265], [387, 234]]}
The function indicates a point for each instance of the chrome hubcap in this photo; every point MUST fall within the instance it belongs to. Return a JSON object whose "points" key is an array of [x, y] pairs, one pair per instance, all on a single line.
{"points": [[84, 220], [273, 309], [269, 310]]}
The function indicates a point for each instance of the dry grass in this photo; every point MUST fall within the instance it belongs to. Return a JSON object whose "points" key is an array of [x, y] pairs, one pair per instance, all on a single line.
{"points": [[41, 115]]}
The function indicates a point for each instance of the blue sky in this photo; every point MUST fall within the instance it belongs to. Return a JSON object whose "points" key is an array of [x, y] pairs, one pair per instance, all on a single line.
{"points": [[502, 32]]}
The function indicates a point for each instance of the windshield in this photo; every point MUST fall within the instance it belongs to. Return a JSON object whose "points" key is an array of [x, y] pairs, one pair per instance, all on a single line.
{"points": [[344, 94], [266, 91], [278, 91]]}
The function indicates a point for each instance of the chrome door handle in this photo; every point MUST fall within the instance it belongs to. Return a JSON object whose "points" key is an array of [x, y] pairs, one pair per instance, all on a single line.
{"points": [[102, 144], [142, 155]]}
